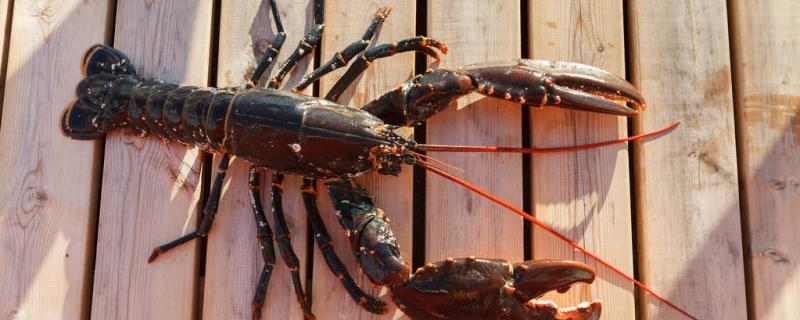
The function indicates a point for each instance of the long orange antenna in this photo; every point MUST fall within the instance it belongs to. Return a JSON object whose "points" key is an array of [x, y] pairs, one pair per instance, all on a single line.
{"points": [[447, 148], [547, 228]]}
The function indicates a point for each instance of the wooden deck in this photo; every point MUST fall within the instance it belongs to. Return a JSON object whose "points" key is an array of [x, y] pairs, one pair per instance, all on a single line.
{"points": [[707, 215]]}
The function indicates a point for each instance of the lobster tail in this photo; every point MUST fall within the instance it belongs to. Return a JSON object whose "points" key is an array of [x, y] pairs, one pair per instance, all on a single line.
{"points": [[101, 58]]}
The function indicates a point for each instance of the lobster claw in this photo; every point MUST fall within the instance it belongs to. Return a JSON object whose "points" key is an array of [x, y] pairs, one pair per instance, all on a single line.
{"points": [[529, 82], [493, 289]]}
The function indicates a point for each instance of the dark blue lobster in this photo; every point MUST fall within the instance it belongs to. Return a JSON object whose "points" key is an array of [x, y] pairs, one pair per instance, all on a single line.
{"points": [[316, 138]]}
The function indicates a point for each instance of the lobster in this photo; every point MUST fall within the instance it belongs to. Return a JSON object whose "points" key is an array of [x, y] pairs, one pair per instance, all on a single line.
{"points": [[316, 138]]}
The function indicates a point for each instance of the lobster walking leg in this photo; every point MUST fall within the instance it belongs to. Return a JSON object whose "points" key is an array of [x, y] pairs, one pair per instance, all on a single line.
{"points": [[309, 191], [264, 237], [371, 239], [341, 58], [422, 44], [285, 244], [304, 48], [272, 50], [209, 211]]}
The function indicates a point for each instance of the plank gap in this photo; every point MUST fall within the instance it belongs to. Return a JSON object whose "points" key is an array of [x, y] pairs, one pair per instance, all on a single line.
{"points": [[632, 161], [94, 225], [316, 90], [420, 132], [634, 128], [741, 158], [527, 180], [6, 37], [208, 160]]}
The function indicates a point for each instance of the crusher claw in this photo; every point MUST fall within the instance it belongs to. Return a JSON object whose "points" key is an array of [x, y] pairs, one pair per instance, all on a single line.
{"points": [[471, 288]]}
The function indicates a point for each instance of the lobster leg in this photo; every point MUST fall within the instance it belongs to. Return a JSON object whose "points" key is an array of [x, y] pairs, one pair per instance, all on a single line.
{"points": [[422, 44], [284, 243], [467, 288], [264, 237], [272, 50], [209, 212], [528, 82], [309, 191], [341, 58], [371, 238], [304, 48]]}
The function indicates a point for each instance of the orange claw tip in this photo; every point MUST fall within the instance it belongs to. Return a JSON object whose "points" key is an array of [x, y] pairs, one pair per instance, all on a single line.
{"points": [[443, 47]]}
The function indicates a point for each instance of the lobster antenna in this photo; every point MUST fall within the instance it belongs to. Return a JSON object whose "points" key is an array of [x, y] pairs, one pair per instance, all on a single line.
{"points": [[432, 159], [547, 228], [448, 148]]}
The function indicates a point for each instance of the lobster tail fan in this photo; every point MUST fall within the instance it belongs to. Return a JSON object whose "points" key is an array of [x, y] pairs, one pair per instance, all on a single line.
{"points": [[101, 58], [101, 65], [80, 121]]}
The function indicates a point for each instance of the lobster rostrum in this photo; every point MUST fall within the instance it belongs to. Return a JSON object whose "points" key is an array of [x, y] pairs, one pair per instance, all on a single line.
{"points": [[316, 138]]}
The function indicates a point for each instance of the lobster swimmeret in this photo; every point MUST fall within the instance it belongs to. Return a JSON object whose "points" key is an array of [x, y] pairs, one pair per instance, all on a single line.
{"points": [[292, 133]]}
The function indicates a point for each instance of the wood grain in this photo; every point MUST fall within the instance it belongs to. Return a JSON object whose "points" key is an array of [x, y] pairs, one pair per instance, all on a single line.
{"points": [[765, 37], [49, 192], [150, 190], [345, 22], [233, 258], [690, 240], [460, 223], [586, 194]]}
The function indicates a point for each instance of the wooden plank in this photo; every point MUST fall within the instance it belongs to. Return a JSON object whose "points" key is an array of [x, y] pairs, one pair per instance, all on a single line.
{"points": [[689, 229], [585, 193], [765, 38], [49, 192], [458, 222], [233, 257], [150, 190], [392, 194]]}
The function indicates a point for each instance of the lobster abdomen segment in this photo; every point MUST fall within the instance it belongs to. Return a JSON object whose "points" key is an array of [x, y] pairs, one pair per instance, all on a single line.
{"points": [[168, 111], [113, 97]]}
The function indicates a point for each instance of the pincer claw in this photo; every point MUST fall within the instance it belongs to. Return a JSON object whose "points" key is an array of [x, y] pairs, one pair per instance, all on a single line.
{"points": [[535, 83], [557, 83], [472, 288]]}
